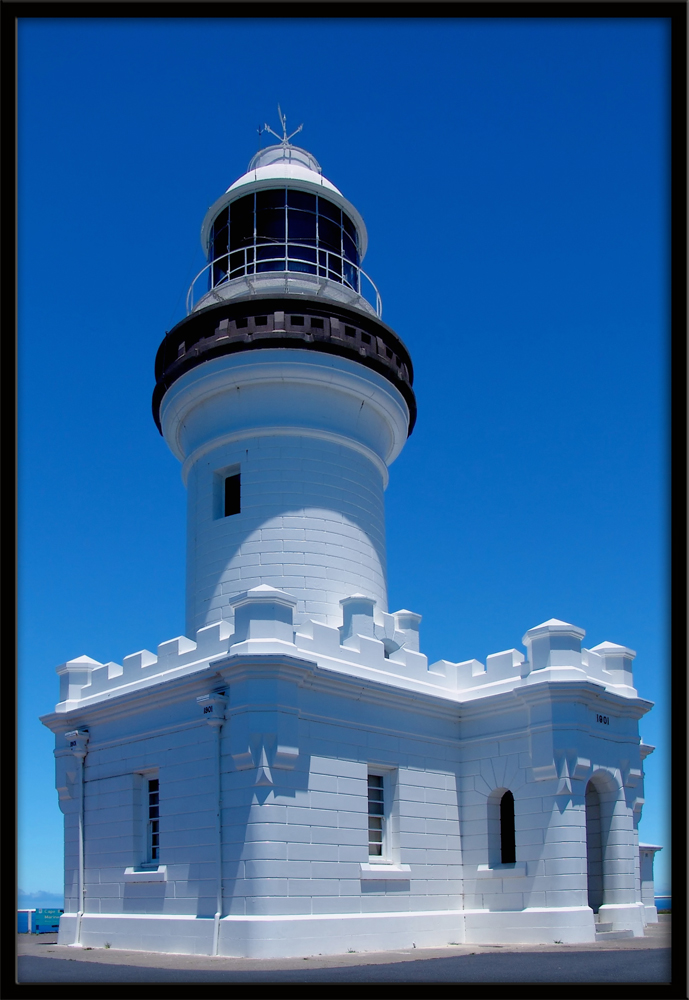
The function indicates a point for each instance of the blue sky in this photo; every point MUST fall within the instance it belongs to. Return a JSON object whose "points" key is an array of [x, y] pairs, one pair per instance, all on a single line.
{"points": [[513, 176]]}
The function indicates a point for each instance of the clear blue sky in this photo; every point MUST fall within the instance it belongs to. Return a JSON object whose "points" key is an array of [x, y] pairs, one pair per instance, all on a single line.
{"points": [[513, 176]]}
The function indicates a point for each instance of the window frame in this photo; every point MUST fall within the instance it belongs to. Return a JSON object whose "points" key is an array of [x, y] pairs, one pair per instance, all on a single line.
{"points": [[152, 821], [501, 829], [389, 838], [219, 478], [142, 819]]}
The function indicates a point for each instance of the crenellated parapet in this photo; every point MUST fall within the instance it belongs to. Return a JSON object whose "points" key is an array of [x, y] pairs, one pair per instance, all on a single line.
{"points": [[369, 644]]}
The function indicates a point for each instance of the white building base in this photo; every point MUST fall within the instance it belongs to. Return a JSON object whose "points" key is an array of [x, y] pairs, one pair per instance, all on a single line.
{"points": [[534, 925], [266, 936], [337, 934], [624, 917], [172, 935]]}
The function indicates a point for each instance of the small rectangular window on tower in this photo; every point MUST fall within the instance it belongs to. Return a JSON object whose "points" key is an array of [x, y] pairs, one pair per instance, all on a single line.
{"points": [[232, 495]]}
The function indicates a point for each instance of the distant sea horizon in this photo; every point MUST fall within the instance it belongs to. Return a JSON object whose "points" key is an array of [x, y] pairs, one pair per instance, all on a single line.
{"points": [[40, 900]]}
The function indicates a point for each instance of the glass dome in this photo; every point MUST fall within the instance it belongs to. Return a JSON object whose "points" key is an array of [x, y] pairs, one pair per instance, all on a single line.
{"points": [[284, 153]]}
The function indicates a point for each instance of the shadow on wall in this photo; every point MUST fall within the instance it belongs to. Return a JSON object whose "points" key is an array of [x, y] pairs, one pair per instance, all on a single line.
{"points": [[336, 549], [244, 788]]}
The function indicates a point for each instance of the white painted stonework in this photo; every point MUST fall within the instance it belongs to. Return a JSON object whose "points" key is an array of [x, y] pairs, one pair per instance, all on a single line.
{"points": [[294, 684]]}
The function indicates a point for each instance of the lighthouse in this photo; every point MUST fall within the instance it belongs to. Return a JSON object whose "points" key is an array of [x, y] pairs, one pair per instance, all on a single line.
{"points": [[291, 776], [285, 397]]}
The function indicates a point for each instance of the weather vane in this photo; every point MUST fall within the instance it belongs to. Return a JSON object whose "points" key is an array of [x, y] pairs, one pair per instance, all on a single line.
{"points": [[283, 121]]}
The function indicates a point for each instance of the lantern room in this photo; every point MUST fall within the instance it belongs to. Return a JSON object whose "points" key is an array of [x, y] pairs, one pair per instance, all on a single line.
{"points": [[283, 227]]}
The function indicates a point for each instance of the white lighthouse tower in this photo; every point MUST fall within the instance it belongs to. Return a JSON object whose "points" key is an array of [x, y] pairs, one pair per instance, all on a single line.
{"points": [[285, 397], [292, 776]]}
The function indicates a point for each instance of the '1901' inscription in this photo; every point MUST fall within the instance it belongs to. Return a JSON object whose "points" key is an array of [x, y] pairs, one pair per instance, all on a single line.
{"points": [[605, 719]]}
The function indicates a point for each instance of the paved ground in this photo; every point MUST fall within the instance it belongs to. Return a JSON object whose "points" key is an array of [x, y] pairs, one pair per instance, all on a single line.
{"points": [[631, 960]]}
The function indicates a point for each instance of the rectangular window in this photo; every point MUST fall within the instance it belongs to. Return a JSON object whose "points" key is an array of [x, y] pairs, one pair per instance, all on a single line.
{"points": [[376, 815], [153, 824], [226, 491], [232, 495]]}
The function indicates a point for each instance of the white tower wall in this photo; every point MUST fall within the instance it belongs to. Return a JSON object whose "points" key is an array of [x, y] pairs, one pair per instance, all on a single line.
{"points": [[311, 436]]}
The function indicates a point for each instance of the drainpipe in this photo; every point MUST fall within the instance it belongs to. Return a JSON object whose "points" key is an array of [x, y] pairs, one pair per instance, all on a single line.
{"points": [[77, 744], [213, 706]]}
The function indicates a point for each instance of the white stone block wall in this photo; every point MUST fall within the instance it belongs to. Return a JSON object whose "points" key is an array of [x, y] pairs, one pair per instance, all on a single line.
{"points": [[293, 847], [299, 736], [312, 523], [546, 767]]}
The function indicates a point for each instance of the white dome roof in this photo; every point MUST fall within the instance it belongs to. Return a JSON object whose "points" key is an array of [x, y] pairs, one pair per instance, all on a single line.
{"points": [[284, 162], [284, 171]]}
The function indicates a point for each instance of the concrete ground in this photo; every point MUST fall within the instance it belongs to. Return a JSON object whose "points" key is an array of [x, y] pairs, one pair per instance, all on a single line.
{"points": [[627, 960]]}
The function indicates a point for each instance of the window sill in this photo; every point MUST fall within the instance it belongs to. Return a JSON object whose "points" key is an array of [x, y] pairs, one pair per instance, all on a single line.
{"points": [[385, 872], [141, 874], [501, 871]]}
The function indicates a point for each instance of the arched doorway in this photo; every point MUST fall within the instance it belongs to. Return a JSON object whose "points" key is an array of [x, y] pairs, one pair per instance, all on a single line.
{"points": [[595, 848]]}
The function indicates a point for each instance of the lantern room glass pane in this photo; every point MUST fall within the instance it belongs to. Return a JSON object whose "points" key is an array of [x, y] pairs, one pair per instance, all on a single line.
{"points": [[274, 198], [329, 210], [300, 199], [349, 249], [329, 235], [300, 252], [220, 238], [219, 271], [221, 220], [266, 256], [301, 225], [270, 225], [349, 226], [242, 222], [298, 265], [351, 276]]}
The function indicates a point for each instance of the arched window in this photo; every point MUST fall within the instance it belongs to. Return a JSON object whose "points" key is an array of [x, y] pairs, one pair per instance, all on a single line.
{"points": [[508, 854]]}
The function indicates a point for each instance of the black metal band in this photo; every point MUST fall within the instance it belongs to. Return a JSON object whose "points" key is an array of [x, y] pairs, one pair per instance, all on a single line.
{"points": [[286, 322]]}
